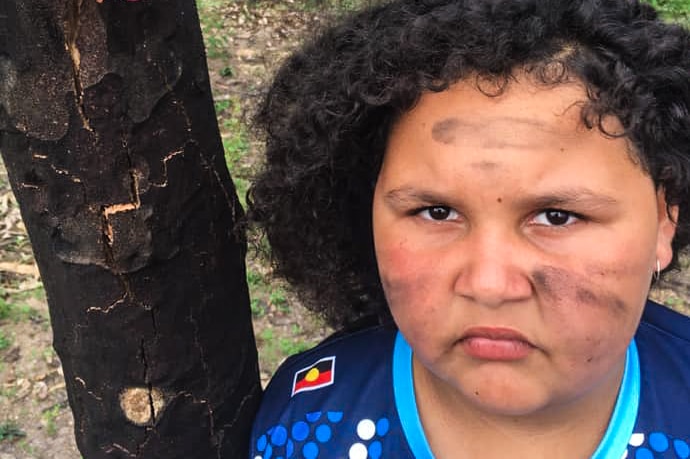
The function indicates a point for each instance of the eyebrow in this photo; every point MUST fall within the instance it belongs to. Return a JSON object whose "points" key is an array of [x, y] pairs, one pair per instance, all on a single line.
{"points": [[568, 196], [556, 198], [408, 194]]}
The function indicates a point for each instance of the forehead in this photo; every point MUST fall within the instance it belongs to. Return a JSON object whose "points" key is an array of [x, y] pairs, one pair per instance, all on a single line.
{"points": [[531, 129], [521, 105]]}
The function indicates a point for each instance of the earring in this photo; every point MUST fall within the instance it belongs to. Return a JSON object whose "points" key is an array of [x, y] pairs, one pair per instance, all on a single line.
{"points": [[657, 273]]}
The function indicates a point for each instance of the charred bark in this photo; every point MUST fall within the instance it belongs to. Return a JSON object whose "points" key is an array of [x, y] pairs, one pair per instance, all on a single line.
{"points": [[109, 136]]}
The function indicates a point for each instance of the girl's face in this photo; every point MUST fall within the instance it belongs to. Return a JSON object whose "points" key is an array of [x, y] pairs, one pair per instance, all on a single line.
{"points": [[515, 246]]}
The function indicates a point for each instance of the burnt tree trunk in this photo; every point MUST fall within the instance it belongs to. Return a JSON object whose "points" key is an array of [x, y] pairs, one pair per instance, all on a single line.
{"points": [[109, 136]]}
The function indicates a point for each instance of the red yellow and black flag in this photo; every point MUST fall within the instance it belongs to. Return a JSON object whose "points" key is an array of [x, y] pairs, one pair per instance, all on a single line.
{"points": [[316, 376]]}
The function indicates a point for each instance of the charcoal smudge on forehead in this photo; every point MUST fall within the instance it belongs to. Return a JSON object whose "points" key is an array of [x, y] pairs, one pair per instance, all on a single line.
{"points": [[444, 131]]}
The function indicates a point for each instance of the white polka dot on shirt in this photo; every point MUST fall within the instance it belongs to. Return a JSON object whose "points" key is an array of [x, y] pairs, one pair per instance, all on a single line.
{"points": [[636, 439], [358, 451], [366, 429]]}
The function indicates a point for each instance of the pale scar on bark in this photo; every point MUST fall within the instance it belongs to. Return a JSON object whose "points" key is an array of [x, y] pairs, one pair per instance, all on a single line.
{"points": [[141, 405]]}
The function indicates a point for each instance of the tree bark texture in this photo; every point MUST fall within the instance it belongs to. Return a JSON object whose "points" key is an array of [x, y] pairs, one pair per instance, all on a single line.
{"points": [[108, 132]]}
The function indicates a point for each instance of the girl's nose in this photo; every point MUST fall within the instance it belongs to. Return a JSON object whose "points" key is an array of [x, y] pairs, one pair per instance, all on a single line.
{"points": [[494, 270]]}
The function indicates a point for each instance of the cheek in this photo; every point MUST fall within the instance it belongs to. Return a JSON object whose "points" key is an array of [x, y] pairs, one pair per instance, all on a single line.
{"points": [[409, 279], [594, 315]]}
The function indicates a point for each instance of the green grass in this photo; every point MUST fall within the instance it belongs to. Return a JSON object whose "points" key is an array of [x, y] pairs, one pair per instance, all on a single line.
{"points": [[213, 28], [266, 295], [13, 306], [236, 144], [5, 340], [275, 349], [278, 299], [9, 430], [13, 309], [675, 10], [48, 418], [290, 346]]}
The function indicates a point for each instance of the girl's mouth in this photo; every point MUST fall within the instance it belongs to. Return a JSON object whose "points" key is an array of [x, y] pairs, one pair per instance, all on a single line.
{"points": [[495, 343]]}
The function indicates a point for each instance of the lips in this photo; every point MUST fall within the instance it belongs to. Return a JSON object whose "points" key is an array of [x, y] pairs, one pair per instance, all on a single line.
{"points": [[495, 343]]}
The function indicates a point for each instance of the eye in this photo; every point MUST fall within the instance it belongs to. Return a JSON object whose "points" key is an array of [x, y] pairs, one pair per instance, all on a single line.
{"points": [[555, 217], [438, 213]]}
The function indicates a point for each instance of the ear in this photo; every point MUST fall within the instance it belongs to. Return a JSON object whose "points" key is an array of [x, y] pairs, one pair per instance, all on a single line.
{"points": [[667, 217]]}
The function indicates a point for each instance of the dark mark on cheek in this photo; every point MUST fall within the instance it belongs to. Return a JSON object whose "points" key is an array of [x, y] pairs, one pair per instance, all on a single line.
{"points": [[543, 281], [561, 286], [586, 296], [444, 131]]}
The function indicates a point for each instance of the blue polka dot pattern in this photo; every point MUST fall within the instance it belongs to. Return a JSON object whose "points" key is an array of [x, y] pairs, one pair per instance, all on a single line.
{"points": [[681, 448], [657, 445], [382, 427], [313, 417], [367, 431], [284, 442], [261, 443], [375, 450], [310, 450], [335, 416], [323, 433], [658, 442], [279, 436], [300, 431]]}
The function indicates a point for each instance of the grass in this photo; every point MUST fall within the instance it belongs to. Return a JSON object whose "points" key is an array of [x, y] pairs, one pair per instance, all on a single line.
{"points": [[236, 144], [9, 430], [13, 309], [5, 340], [13, 306], [213, 28], [676, 10], [276, 348], [265, 295], [278, 299], [48, 419]]}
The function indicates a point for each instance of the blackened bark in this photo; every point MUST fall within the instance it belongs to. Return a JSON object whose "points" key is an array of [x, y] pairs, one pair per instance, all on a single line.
{"points": [[109, 136]]}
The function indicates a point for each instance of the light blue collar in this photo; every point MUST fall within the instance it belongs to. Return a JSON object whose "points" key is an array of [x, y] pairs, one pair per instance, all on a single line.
{"points": [[613, 445]]}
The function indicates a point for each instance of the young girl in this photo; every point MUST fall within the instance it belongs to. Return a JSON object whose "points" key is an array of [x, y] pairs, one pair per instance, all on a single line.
{"points": [[498, 183]]}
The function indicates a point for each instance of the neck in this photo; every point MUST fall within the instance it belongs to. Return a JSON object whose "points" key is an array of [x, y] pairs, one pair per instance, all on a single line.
{"points": [[457, 427]]}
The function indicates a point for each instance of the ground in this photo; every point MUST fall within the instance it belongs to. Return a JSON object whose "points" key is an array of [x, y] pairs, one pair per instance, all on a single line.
{"points": [[245, 41]]}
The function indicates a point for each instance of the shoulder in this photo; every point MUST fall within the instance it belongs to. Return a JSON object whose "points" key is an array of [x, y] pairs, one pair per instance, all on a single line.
{"points": [[663, 323], [347, 355], [663, 341], [319, 399]]}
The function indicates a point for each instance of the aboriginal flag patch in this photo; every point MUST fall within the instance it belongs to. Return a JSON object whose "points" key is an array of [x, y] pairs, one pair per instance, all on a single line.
{"points": [[315, 376]]}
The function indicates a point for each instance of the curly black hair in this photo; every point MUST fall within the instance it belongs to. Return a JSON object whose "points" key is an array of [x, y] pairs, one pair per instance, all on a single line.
{"points": [[328, 113]]}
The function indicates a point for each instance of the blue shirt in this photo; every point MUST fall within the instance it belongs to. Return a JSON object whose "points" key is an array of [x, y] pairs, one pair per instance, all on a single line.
{"points": [[353, 397]]}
